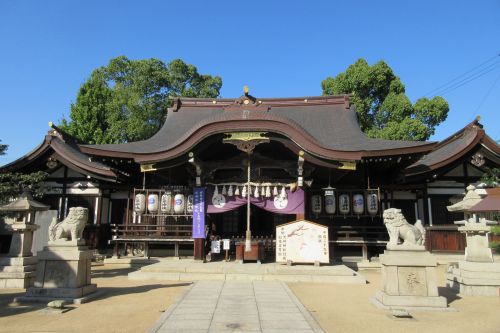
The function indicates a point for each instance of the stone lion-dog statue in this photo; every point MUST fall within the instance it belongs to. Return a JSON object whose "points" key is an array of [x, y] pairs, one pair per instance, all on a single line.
{"points": [[399, 228], [72, 226]]}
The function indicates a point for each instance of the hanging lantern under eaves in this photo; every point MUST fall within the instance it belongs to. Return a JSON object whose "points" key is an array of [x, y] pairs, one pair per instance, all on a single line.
{"points": [[330, 202], [140, 203], [166, 203], [344, 204], [152, 203], [316, 205], [358, 204], [372, 204]]}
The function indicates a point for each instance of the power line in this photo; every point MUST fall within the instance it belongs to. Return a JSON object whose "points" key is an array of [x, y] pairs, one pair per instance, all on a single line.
{"points": [[468, 79], [452, 81], [488, 93]]}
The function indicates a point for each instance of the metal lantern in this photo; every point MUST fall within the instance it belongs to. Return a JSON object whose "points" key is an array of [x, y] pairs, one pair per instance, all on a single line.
{"points": [[166, 202], [153, 203], [372, 204], [316, 204], [179, 203], [344, 205], [330, 202], [189, 205], [140, 203], [358, 204]]}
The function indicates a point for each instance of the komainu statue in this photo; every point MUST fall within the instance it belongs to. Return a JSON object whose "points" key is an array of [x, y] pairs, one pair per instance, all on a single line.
{"points": [[72, 226], [398, 227]]}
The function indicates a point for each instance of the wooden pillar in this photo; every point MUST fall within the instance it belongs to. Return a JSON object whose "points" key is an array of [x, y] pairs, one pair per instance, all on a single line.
{"points": [[425, 217], [199, 249]]}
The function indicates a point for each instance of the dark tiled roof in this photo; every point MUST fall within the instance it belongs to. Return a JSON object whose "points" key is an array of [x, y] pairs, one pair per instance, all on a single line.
{"points": [[452, 148], [324, 121], [69, 154]]}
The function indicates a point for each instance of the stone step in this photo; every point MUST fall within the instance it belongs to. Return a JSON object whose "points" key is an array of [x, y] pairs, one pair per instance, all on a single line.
{"points": [[17, 261], [164, 272], [17, 269]]}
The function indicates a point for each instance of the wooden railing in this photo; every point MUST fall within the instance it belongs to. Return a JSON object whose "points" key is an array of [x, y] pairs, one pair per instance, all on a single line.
{"points": [[150, 231]]}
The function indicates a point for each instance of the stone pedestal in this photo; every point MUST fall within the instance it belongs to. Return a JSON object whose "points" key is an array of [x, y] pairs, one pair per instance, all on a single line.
{"points": [[63, 273], [477, 275], [476, 236], [409, 280], [474, 278], [17, 269]]}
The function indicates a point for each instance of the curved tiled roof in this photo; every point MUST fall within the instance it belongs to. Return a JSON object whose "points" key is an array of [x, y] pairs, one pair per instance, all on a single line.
{"points": [[69, 154], [324, 126], [453, 148]]}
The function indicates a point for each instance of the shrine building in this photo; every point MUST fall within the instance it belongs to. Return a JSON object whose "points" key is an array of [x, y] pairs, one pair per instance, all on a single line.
{"points": [[238, 168]]}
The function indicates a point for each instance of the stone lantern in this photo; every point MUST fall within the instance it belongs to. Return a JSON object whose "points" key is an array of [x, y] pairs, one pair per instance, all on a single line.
{"points": [[17, 268]]}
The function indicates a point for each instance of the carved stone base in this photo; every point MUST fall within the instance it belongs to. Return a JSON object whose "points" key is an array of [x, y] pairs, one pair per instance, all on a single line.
{"points": [[474, 278], [17, 272], [409, 280], [63, 272]]}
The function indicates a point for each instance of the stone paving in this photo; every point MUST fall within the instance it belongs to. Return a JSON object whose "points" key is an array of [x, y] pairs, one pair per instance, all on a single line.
{"points": [[234, 306]]}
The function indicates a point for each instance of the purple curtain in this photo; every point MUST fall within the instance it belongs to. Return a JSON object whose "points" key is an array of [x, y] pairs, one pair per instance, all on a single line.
{"points": [[295, 204]]}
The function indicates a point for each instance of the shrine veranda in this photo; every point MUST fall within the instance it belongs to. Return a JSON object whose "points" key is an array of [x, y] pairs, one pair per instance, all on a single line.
{"points": [[238, 169]]}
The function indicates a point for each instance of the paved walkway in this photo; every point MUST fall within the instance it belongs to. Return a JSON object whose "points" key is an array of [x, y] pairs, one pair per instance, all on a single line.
{"points": [[232, 306]]}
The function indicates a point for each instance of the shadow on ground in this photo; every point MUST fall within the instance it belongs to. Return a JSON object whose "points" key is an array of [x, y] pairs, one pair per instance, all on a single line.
{"points": [[449, 293]]}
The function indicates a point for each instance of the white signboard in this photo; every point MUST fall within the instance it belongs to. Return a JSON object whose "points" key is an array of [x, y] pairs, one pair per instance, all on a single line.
{"points": [[225, 244], [302, 242], [215, 246]]}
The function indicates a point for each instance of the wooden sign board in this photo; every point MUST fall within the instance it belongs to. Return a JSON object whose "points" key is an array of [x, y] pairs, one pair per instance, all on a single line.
{"points": [[302, 242]]}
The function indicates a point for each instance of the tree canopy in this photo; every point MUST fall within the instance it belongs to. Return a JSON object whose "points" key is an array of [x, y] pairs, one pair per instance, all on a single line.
{"points": [[127, 100], [13, 184], [384, 111]]}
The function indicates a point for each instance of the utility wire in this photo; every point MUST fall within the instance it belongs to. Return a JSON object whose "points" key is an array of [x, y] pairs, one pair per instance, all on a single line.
{"points": [[488, 93], [468, 79], [452, 81]]}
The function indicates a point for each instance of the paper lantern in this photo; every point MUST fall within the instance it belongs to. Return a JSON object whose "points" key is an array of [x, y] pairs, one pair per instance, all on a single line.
{"points": [[140, 203], [316, 204], [166, 203], [189, 205], [153, 203], [358, 204], [330, 203], [344, 205], [372, 204], [179, 203]]}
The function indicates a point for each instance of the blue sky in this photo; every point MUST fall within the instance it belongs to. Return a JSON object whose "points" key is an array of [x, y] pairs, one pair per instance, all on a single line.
{"points": [[277, 48]]}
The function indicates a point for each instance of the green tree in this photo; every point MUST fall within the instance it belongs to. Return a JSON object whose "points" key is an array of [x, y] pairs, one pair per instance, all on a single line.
{"points": [[3, 148], [13, 184], [384, 111], [127, 100]]}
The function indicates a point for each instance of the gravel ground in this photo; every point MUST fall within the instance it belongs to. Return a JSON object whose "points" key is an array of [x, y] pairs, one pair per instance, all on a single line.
{"points": [[345, 308], [134, 306], [124, 306]]}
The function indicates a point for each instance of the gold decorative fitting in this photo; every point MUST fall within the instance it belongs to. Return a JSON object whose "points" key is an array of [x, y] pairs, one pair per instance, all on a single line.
{"points": [[246, 101], [51, 163]]}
